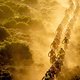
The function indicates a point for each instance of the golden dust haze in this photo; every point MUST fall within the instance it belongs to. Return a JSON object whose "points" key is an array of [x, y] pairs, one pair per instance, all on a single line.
{"points": [[27, 29]]}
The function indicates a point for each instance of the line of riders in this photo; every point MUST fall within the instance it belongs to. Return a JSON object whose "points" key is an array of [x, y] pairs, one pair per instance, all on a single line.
{"points": [[57, 62]]}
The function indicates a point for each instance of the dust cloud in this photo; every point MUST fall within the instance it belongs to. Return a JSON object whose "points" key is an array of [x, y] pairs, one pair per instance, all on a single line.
{"points": [[31, 27]]}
